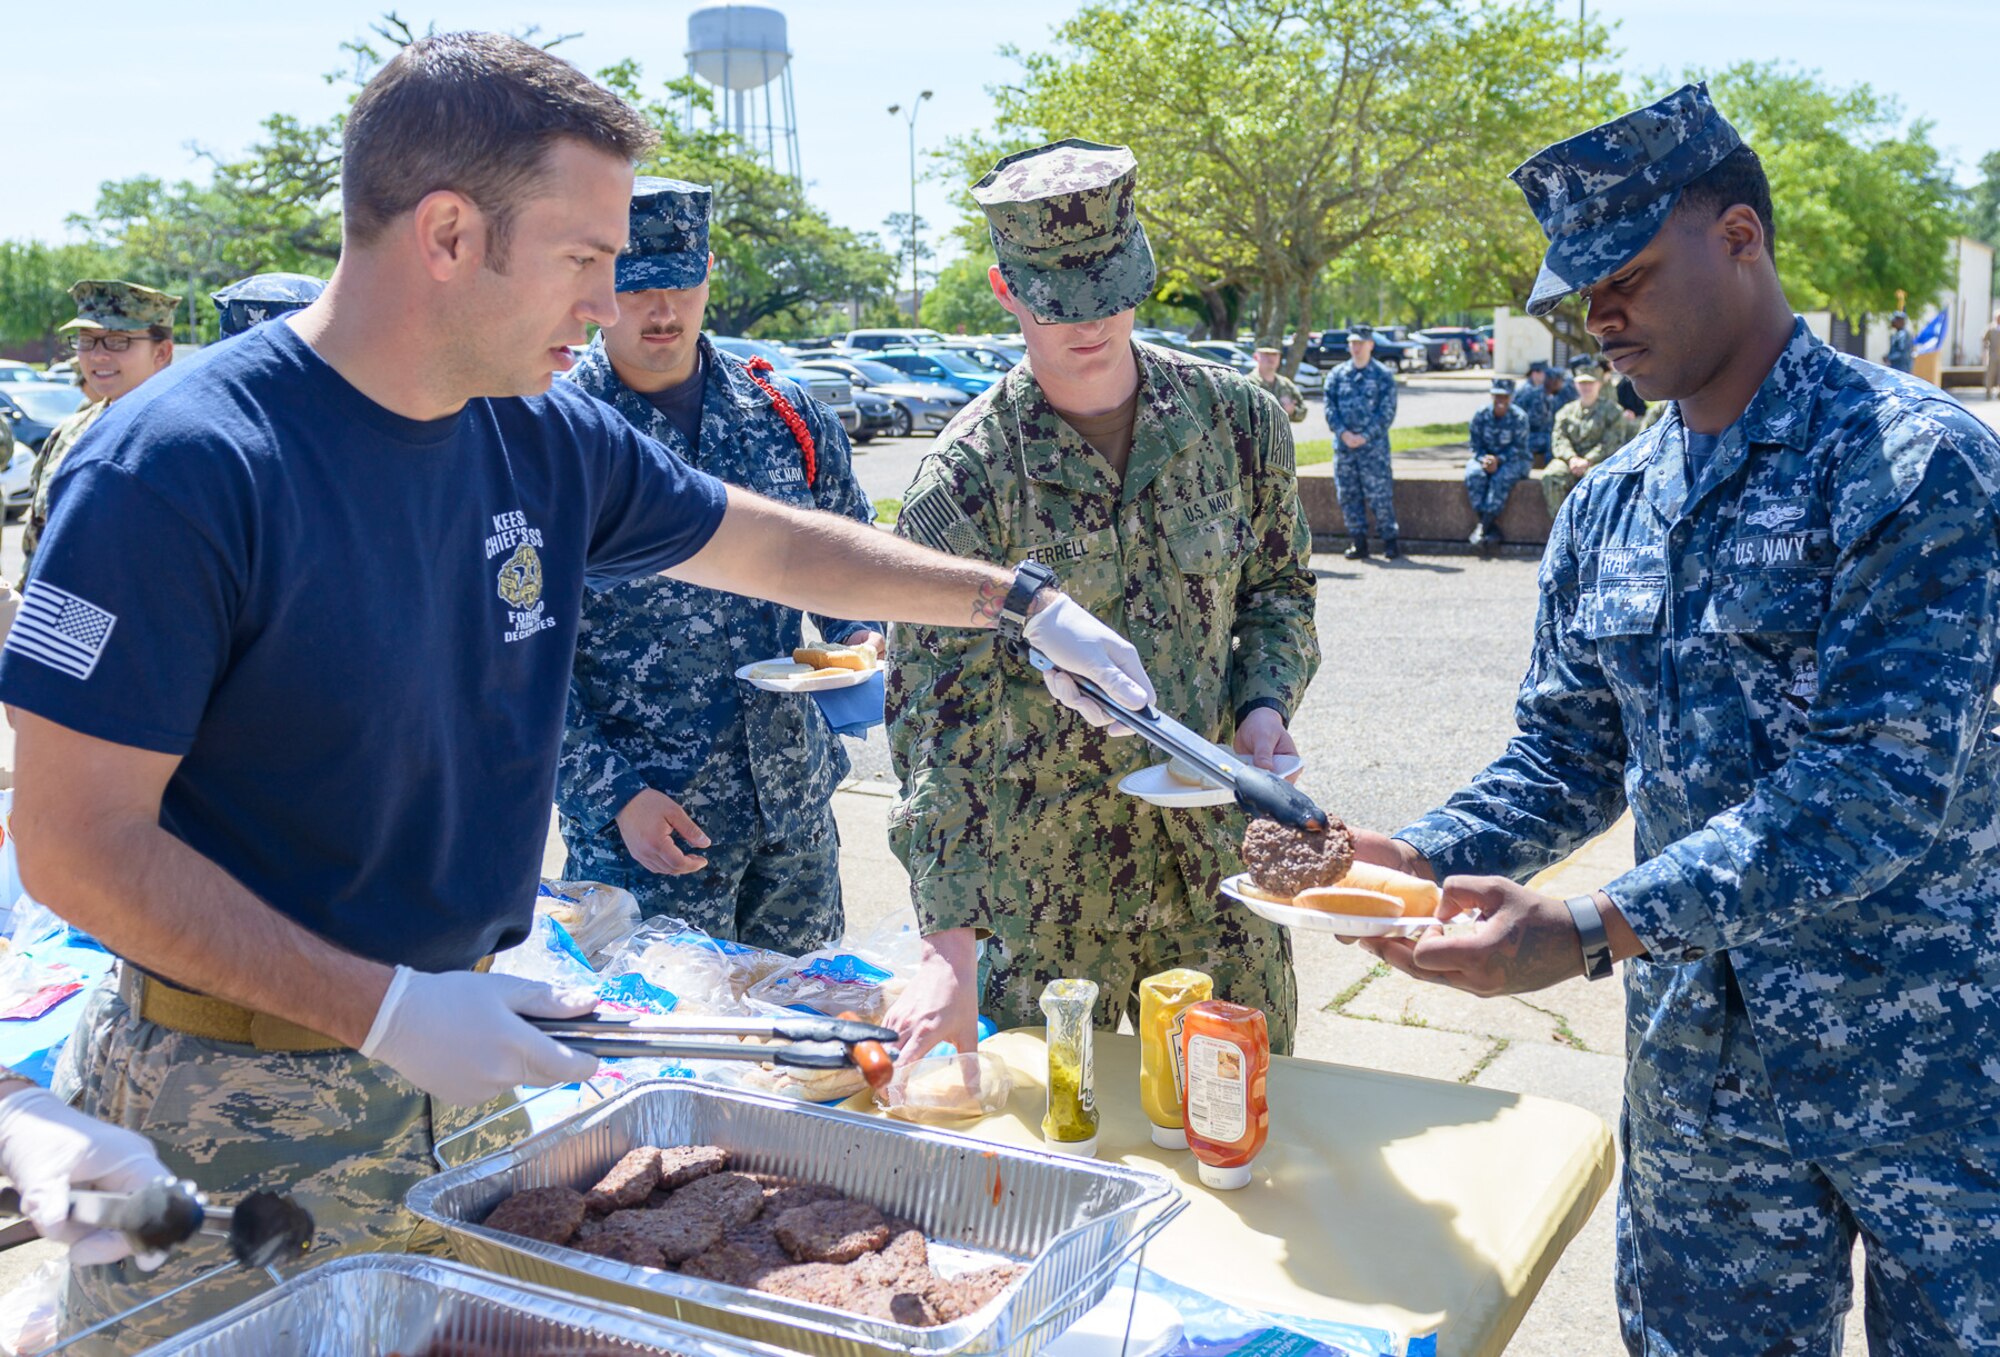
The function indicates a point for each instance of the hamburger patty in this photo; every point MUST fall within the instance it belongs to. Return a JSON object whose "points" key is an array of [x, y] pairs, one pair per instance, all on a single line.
{"points": [[550, 1214], [1285, 861], [832, 1231]]}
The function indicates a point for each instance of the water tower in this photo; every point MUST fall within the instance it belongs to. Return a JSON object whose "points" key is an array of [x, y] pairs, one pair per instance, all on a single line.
{"points": [[741, 50]]}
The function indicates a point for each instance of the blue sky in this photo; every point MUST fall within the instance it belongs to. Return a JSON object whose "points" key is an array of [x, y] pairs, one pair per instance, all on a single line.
{"points": [[163, 75]]}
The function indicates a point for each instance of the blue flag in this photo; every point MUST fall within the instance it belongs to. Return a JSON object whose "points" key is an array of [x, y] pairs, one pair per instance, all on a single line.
{"points": [[1931, 338]]}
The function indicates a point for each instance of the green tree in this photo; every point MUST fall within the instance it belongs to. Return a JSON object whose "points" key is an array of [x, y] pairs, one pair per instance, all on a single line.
{"points": [[778, 258], [961, 301], [34, 288], [1864, 205], [1276, 137]]}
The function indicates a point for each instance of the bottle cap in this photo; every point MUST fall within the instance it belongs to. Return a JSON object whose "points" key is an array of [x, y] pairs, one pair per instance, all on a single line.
{"points": [[1170, 1137], [1082, 1149], [1226, 1179]]}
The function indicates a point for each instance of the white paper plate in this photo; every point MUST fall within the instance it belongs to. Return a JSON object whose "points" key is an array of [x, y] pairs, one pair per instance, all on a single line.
{"points": [[1346, 925], [1153, 784], [846, 678]]}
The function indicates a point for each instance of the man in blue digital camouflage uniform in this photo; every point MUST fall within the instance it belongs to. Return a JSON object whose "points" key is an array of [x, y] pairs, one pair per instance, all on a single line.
{"points": [[1360, 407], [1499, 459], [1539, 398], [1768, 626], [708, 799]]}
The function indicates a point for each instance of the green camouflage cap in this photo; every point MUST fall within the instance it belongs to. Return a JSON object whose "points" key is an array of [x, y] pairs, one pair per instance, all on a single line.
{"points": [[1069, 244], [111, 304]]}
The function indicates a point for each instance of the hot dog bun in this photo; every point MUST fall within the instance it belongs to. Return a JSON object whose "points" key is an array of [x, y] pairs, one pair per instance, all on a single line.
{"points": [[1348, 900], [1419, 897], [856, 658]]}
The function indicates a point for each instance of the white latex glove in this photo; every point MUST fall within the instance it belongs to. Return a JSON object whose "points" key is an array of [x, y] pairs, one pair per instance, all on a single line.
{"points": [[458, 1035], [48, 1147], [1079, 643]]}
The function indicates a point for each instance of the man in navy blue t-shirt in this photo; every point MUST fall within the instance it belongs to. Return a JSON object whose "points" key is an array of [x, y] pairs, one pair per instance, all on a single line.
{"points": [[289, 749]]}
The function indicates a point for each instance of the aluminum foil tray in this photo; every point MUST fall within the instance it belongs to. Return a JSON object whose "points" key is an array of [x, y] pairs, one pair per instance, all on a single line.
{"points": [[1072, 1222], [376, 1305]]}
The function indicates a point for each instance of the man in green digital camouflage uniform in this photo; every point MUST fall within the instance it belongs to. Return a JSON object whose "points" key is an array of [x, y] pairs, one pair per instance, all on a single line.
{"points": [[124, 334], [1587, 430], [1281, 388], [1161, 491]]}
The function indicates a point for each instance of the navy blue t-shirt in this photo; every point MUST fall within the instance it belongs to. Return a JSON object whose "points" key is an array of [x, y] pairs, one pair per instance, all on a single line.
{"points": [[355, 629]]}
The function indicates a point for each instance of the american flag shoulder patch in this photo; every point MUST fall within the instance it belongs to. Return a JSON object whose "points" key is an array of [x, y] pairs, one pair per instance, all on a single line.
{"points": [[935, 520], [59, 629]]}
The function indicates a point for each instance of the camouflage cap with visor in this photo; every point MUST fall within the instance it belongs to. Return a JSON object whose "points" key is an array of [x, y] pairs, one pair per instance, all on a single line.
{"points": [[113, 304], [1069, 243], [669, 244], [261, 296], [1602, 195]]}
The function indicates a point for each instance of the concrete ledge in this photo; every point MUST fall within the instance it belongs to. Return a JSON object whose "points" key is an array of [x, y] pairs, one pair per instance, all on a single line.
{"points": [[1431, 509]]}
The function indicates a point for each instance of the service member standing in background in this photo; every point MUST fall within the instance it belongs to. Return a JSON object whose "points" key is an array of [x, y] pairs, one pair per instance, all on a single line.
{"points": [[1902, 355], [1539, 399], [124, 335], [706, 798], [1770, 625], [1360, 407], [1587, 431], [262, 297], [1499, 435], [1160, 490], [1281, 388]]}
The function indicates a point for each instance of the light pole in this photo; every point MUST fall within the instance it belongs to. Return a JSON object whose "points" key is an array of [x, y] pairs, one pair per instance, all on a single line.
{"points": [[910, 118]]}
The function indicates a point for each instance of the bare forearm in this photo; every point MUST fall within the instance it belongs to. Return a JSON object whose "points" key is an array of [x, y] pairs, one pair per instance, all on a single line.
{"points": [[825, 563], [150, 898]]}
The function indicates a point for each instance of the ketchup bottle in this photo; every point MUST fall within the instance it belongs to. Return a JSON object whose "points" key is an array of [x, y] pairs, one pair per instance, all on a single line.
{"points": [[1226, 1053]]}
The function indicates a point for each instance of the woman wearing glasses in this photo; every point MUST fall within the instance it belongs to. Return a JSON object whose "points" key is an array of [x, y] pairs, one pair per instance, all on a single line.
{"points": [[124, 334]]}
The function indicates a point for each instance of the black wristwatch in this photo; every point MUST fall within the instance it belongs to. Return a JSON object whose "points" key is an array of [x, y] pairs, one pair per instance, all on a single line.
{"points": [[1590, 930], [1030, 578]]}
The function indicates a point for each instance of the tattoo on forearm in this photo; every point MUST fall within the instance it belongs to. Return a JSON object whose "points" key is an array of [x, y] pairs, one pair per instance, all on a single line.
{"points": [[987, 602]]}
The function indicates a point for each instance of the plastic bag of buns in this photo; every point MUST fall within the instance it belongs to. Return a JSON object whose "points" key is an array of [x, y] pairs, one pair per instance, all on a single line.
{"points": [[712, 972], [597, 917]]}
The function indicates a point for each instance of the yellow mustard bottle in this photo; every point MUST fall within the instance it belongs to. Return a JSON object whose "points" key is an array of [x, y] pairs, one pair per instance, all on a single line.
{"points": [[1163, 999]]}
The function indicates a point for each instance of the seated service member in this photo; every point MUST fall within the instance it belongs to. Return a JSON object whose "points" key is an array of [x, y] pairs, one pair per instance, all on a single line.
{"points": [[708, 799], [1499, 459], [1160, 490]]}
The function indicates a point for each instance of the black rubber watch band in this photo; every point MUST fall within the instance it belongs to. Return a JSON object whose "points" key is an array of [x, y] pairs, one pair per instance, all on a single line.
{"points": [[1030, 578], [1590, 931]]}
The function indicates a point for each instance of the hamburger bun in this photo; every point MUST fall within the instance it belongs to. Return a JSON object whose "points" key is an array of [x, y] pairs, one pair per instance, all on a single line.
{"points": [[1419, 897], [1350, 901], [1248, 886], [1185, 773], [856, 658]]}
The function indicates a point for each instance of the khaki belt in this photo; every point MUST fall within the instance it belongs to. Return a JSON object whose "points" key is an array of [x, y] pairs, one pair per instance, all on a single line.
{"points": [[211, 1019]]}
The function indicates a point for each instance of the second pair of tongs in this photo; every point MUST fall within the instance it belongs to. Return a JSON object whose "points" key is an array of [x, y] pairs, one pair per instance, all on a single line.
{"points": [[807, 1041]]}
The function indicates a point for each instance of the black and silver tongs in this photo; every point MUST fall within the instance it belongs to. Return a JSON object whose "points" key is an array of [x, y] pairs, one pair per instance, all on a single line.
{"points": [[1262, 794], [261, 1230], [813, 1043]]}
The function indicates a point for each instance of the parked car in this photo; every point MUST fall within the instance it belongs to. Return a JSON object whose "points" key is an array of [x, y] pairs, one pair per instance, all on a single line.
{"points": [[14, 488], [1330, 348], [829, 389], [998, 359], [11, 371], [33, 409], [892, 339], [926, 406], [1230, 355], [1476, 351], [878, 415], [940, 365]]}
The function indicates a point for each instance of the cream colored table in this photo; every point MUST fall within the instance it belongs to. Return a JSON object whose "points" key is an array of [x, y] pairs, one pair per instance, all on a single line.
{"points": [[1405, 1204]]}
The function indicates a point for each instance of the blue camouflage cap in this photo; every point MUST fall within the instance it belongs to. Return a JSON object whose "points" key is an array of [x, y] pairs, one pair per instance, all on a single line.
{"points": [[669, 245], [262, 296], [1603, 195], [1360, 332], [1501, 387]]}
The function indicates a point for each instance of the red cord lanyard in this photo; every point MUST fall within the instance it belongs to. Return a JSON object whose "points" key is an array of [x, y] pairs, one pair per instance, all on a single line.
{"points": [[795, 421]]}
